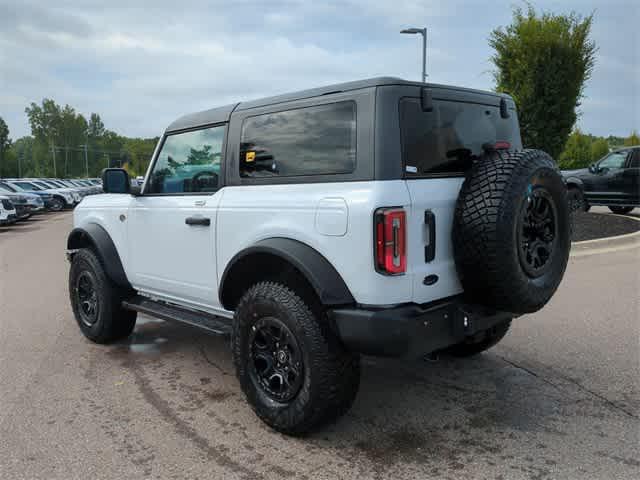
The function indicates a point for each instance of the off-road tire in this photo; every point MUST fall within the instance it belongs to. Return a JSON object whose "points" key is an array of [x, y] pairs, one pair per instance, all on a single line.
{"points": [[331, 373], [621, 210], [480, 342], [488, 228], [112, 322]]}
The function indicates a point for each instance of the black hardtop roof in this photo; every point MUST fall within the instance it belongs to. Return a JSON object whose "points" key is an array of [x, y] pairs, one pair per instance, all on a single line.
{"points": [[222, 114]]}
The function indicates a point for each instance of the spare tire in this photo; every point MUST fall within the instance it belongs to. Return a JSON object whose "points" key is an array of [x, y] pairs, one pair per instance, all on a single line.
{"points": [[511, 230]]}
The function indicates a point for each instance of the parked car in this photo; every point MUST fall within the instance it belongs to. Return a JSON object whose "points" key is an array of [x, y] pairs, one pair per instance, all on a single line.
{"points": [[7, 211], [26, 203], [59, 186], [613, 181], [60, 200], [47, 199], [379, 217]]}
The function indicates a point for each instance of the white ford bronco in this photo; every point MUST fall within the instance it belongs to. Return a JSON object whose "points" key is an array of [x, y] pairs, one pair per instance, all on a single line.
{"points": [[378, 217]]}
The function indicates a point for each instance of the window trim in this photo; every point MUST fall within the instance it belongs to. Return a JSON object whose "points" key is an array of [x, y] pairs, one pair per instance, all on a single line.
{"points": [[305, 175], [158, 150], [634, 153]]}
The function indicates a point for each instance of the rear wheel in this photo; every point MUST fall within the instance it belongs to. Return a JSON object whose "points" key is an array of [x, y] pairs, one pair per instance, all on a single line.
{"points": [[480, 342], [97, 301], [292, 367], [621, 210]]}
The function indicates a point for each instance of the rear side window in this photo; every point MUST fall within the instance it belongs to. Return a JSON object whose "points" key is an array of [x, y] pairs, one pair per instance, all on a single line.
{"points": [[445, 140], [316, 140]]}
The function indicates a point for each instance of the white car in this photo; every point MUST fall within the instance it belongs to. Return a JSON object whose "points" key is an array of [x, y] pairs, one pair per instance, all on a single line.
{"points": [[379, 217], [59, 186], [62, 198], [7, 211]]}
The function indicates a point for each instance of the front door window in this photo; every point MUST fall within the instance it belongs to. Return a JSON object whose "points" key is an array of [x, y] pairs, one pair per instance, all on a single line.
{"points": [[189, 162]]}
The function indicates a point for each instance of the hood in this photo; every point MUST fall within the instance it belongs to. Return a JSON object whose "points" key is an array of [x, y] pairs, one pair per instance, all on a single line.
{"points": [[575, 173], [16, 198]]}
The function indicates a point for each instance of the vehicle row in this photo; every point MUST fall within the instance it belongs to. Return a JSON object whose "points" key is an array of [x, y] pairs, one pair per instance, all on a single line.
{"points": [[22, 197], [33, 195]]}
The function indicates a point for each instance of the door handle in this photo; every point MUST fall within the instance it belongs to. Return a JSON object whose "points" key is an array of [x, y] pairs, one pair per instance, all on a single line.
{"points": [[193, 221], [430, 225]]}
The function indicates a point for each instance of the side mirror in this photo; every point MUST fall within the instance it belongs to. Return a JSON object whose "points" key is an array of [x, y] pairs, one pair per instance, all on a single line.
{"points": [[593, 168], [115, 180]]}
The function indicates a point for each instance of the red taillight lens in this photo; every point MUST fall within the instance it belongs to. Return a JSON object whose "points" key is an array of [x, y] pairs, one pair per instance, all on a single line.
{"points": [[500, 145], [390, 241]]}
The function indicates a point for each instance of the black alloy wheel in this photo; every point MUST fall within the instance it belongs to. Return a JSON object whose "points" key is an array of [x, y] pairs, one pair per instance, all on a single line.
{"points": [[537, 232], [87, 298], [277, 365]]}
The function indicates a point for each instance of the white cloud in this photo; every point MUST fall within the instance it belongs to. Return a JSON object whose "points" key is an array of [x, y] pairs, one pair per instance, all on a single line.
{"points": [[141, 64]]}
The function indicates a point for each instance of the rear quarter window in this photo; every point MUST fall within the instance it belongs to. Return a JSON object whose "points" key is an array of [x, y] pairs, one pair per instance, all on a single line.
{"points": [[445, 140], [317, 140]]}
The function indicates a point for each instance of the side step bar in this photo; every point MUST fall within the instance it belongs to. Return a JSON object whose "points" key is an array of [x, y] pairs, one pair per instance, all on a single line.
{"points": [[165, 311]]}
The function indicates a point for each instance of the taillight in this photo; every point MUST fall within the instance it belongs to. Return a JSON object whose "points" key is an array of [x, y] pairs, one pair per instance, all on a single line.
{"points": [[390, 241]]}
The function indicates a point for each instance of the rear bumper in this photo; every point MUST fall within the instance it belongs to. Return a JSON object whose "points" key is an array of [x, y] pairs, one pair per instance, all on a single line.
{"points": [[413, 330]]}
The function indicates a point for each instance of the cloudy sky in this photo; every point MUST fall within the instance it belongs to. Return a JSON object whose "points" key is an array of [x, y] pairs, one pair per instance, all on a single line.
{"points": [[141, 64]]}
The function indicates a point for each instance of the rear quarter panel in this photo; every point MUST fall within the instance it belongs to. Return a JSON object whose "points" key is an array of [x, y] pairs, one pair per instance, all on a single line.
{"points": [[250, 213]]}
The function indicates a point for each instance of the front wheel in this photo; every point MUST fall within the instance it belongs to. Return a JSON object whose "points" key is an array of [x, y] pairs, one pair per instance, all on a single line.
{"points": [[576, 200], [97, 301], [621, 210], [292, 368], [57, 204]]}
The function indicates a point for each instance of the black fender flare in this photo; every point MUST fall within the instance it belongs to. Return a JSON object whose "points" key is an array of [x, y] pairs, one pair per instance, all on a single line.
{"points": [[321, 275], [96, 237]]}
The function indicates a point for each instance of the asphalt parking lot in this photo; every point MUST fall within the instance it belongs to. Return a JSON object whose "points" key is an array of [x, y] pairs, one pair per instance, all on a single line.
{"points": [[559, 398]]}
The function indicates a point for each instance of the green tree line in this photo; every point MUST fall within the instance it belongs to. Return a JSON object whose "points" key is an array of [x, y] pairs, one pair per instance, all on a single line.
{"points": [[582, 149], [65, 144]]}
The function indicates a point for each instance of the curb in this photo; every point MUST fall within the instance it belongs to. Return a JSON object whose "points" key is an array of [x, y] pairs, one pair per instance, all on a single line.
{"points": [[607, 244]]}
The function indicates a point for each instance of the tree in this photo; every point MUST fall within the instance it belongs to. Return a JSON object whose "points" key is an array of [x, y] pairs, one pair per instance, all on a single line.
{"points": [[95, 129], [5, 142], [577, 152], [632, 140], [599, 148], [543, 61]]}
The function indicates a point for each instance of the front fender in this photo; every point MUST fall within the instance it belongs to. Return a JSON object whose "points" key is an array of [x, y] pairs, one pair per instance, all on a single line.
{"points": [[574, 182], [94, 236]]}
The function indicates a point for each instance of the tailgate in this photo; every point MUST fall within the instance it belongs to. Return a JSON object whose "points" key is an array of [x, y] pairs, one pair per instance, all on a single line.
{"points": [[435, 197]]}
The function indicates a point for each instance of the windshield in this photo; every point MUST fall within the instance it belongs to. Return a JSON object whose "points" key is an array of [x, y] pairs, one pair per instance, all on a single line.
{"points": [[8, 187], [26, 186], [42, 185]]}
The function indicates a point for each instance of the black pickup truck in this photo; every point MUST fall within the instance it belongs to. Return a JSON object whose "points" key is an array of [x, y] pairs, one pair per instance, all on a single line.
{"points": [[613, 181]]}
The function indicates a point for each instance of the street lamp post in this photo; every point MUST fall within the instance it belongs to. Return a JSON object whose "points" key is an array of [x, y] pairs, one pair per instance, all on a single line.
{"points": [[86, 159], [423, 32]]}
